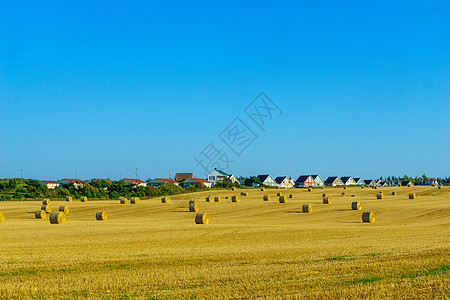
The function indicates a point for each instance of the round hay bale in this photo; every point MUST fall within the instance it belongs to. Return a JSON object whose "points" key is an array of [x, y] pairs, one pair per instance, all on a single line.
{"points": [[165, 200], [123, 200], [201, 218], [244, 193], [46, 202], [266, 198], [380, 195], [235, 199], [40, 214], [375, 187], [394, 193], [283, 199], [356, 205], [69, 198], [209, 198], [193, 207], [307, 208], [324, 194], [362, 186], [101, 215], [2, 217], [343, 193], [309, 189], [412, 195], [217, 199], [278, 194], [64, 209], [440, 187], [326, 200], [233, 188], [84, 199], [291, 196], [345, 187], [322, 187], [278, 187], [263, 189], [57, 217], [135, 200], [368, 217], [192, 201], [354, 195], [46, 208], [409, 185]]}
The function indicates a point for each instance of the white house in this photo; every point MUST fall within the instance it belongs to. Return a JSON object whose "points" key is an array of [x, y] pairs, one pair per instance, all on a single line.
{"points": [[267, 180], [319, 181], [135, 181], [348, 180], [358, 181], [285, 182], [50, 184], [218, 175]]}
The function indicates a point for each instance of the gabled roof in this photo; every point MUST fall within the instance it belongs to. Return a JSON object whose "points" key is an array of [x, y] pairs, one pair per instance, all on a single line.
{"points": [[183, 176], [357, 179], [134, 180], [331, 179], [302, 178], [345, 178], [263, 177], [201, 180], [280, 179], [100, 179], [71, 180], [314, 176], [50, 181], [167, 180], [223, 173], [368, 181]]}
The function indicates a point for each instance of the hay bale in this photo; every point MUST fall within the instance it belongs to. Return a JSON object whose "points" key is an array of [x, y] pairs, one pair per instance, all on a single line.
{"points": [[69, 198], [362, 186], [64, 209], [353, 196], [217, 199], [326, 200], [193, 207], [201, 218], [375, 187], [356, 205], [244, 194], [40, 214], [343, 193], [380, 195], [306, 208], [368, 217], [135, 200], [266, 198], [123, 200], [209, 198], [278, 194], [235, 199], [2, 217], [322, 187], [46, 208], [57, 217], [165, 200], [278, 187], [84, 199], [324, 194], [309, 189], [440, 187], [263, 189], [412, 195], [46, 202], [233, 188], [282, 199], [192, 201], [345, 187], [291, 196], [101, 215], [394, 193], [409, 185]]}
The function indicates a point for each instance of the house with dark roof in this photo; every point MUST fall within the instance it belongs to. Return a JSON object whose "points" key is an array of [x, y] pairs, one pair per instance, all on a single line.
{"points": [[267, 180], [348, 180], [407, 183], [369, 182], [135, 182], [319, 181], [358, 181], [219, 175], [284, 182], [333, 181], [430, 181], [183, 176], [382, 183], [191, 181], [305, 181]]}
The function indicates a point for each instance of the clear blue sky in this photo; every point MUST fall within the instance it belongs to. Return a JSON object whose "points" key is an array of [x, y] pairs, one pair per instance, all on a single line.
{"points": [[104, 87]]}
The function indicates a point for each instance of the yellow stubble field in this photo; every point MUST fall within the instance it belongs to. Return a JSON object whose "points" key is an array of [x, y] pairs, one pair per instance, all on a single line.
{"points": [[249, 249]]}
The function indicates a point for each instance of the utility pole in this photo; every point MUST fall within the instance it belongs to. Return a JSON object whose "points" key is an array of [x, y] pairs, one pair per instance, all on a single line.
{"points": [[137, 173]]}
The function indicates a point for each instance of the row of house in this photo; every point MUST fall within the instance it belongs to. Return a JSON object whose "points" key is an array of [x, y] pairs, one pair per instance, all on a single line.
{"points": [[186, 179]]}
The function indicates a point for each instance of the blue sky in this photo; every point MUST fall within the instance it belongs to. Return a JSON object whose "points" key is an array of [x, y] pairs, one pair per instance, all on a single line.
{"points": [[107, 87]]}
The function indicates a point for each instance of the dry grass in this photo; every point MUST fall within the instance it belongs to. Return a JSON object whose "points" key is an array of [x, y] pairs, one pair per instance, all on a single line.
{"points": [[250, 249]]}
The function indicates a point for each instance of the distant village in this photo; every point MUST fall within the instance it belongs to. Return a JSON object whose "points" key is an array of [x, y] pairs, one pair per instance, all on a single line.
{"points": [[219, 176]]}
